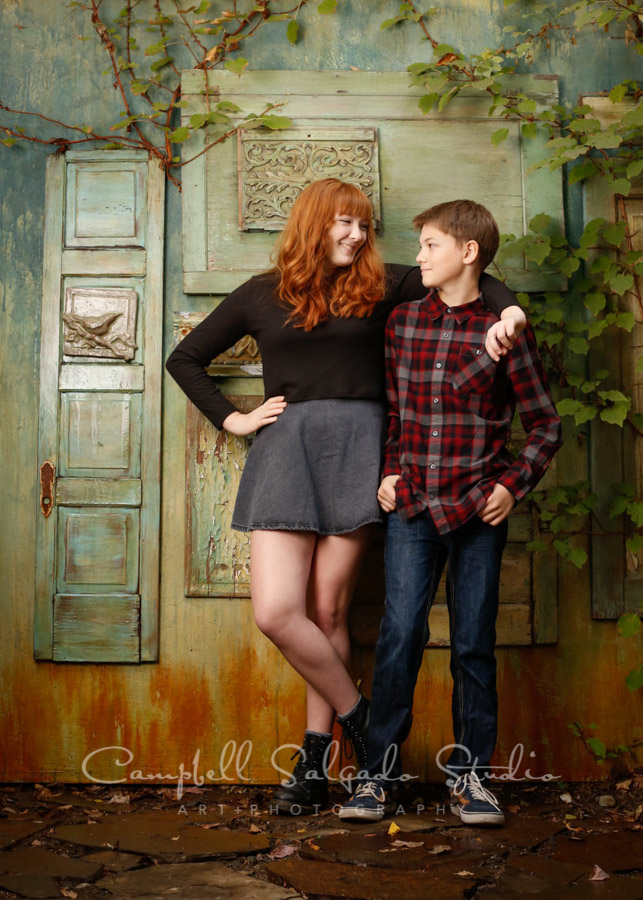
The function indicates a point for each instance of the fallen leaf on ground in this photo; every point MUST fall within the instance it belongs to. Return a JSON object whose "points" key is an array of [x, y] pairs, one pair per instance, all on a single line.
{"points": [[67, 893], [36, 843], [398, 843], [254, 830], [119, 797], [624, 785], [282, 852], [465, 874], [393, 828], [598, 874], [209, 825], [514, 809], [193, 790], [440, 848]]}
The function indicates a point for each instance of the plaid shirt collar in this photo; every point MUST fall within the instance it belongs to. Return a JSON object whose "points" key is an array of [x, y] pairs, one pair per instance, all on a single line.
{"points": [[436, 308]]}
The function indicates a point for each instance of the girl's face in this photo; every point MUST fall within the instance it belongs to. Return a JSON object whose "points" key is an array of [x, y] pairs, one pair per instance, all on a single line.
{"points": [[345, 237]]}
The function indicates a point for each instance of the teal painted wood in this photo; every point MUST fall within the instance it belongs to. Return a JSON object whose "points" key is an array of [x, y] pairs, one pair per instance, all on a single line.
{"points": [[219, 254], [81, 623], [617, 586], [151, 447], [101, 412], [48, 406]]}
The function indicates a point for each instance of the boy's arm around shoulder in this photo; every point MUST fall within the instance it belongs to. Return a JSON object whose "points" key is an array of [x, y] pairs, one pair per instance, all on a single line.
{"points": [[537, 414]]}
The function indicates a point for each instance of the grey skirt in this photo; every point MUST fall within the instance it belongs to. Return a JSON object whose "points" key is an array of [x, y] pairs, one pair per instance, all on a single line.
{"points": [[316, 468]]}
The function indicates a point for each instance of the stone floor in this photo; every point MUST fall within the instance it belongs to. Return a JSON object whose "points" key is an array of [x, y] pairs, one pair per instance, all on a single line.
{"points": [[91, 841]]}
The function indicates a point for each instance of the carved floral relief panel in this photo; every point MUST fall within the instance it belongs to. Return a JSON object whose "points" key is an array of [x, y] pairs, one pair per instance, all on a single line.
{"points": [[275, 168]]}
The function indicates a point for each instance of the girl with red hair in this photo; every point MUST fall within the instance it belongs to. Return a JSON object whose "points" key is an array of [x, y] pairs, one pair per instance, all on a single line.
{"points": [[308, 493]]}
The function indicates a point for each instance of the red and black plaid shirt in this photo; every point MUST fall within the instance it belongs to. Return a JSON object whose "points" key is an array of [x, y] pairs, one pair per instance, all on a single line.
{"points": [[451, 408]]}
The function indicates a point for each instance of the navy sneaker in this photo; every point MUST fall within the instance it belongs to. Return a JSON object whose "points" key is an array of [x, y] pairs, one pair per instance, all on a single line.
{"points": [[369, 803], [474, 804]]}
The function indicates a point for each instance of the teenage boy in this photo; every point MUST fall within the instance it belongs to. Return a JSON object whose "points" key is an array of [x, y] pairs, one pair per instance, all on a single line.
{"points": [[448, 485]]}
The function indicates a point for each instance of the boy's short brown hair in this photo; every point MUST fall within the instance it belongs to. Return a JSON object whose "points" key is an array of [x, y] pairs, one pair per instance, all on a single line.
{"points": [[464, 220]]}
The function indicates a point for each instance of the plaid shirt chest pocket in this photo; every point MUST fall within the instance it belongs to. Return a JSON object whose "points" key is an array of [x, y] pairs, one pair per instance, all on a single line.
{"points": [[473, 370]]}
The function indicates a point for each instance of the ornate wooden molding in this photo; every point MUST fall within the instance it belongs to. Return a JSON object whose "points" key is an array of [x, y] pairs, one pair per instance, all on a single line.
{"points": [[100, 322], [273, 169]]}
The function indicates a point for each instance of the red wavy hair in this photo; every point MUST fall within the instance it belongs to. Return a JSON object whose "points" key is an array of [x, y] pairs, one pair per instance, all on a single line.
{"points": [[306, 284]]}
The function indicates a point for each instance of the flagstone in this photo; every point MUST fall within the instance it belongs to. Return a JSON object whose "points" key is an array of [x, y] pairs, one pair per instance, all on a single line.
{"points": [[164, 834], [12, 831], [192, 881], [33, 886], [361, 883], [40, 861], [113, 861], [614, 852]]}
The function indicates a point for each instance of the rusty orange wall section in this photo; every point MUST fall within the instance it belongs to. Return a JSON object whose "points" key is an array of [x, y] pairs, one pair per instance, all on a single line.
{"points": [[218, 679]]}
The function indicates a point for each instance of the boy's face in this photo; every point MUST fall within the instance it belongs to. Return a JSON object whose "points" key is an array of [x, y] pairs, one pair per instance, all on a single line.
{"points": [[442, 258]]}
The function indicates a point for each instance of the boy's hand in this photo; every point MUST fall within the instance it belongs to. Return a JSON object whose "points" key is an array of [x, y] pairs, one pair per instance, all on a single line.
{"points": [[386, 493], [503, 334], [498, 506]]}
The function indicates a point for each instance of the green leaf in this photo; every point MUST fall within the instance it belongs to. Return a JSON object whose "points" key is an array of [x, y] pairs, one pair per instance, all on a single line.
{"points": [[292, 31], [427, 102], [614, 234], [615, 415], [621, 283], [499, 136], [228, 106], [635, 512], [586, 414], [215, 117], [389, 23], [529, 129], [581, 171], [275, 122], [539, 223], [535, 546], [634, 543], [526, 106], [614, 396], [568, 406], [179, 134], [569, 266], [538, 251], [597, 747], [629, 624], [578, 345], [625, 320], [326, 7], [634, 679], [160, 64], [634, 168], [595, 302], [237, 66], [620, 186], [159, 47], [617, 93], [198, 120], [202, 8], [139, 87]]}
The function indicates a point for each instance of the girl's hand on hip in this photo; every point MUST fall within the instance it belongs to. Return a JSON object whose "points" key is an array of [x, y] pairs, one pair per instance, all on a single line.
{"points": [[386, 493], [245, 423]]}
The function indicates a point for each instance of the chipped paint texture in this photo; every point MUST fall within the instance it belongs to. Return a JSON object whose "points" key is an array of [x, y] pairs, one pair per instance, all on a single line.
{"points": [[218, 678]]}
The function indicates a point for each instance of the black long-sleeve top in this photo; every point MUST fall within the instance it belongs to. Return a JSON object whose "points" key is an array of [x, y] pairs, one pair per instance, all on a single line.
{"points": [[339, 358]]}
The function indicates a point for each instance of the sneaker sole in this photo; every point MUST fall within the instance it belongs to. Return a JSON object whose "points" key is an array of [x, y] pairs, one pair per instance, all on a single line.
{"points": [[478, 818], [360, 814]]}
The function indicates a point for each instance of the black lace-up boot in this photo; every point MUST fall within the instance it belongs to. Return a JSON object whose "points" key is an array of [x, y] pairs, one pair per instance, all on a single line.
{"points": [[355, 728], [306, 791]]}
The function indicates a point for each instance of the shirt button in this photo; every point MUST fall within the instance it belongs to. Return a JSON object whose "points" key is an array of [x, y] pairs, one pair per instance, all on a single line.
{"points": [[435, 400], [433, 496], [432, 466], [445, 334], [434, 433], [478, 352], [438, 365], [448, 309]]}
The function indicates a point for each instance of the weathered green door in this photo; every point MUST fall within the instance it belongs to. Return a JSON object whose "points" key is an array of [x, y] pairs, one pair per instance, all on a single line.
{"points": [[99, 438], [364, 127]]}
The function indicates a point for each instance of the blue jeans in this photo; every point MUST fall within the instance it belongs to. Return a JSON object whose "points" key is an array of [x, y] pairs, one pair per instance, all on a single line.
{"points": [[415, 557]]}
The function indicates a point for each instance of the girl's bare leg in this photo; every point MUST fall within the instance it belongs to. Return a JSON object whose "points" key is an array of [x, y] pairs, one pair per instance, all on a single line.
{"points": [[335, 567], [281, 563]]}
